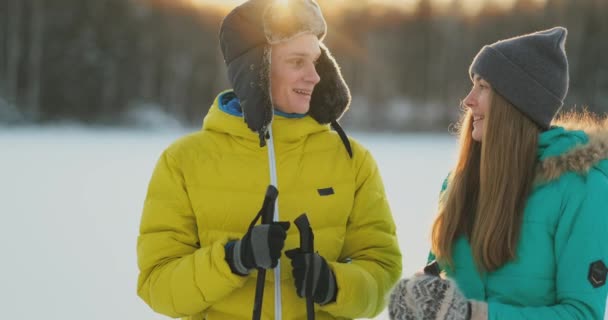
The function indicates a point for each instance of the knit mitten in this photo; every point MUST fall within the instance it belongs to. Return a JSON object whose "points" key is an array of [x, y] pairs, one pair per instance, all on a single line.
{"points": [[426, 297], [401, 306]]}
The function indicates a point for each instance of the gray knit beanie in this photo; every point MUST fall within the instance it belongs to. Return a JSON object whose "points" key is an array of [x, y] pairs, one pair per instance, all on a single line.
{"points": [[530, 71]]}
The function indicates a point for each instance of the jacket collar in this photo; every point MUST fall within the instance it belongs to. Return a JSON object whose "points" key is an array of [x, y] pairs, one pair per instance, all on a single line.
{"points": [[224, 116], [572, 146]]}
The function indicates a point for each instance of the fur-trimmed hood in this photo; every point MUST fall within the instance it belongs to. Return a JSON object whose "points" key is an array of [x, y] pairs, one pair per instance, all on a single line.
{"points": [[246, 36], [574, 144]]}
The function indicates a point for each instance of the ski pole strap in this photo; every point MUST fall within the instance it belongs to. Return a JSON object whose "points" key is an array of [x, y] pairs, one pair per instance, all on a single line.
{"points": [[343, 137], [267, 210]]}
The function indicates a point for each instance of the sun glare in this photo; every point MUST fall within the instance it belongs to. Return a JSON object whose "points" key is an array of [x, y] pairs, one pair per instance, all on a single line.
{"points": [[467, 7], [281, 4]]}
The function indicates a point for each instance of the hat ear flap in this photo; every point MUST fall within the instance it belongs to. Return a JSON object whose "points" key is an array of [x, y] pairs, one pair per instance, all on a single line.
{"points": [[249, 76], [331, 96]]}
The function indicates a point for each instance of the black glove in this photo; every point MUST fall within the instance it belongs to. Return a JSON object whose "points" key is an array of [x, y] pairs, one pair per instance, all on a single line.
{"points": [[260, 248], [306, 265], [425, 297]]}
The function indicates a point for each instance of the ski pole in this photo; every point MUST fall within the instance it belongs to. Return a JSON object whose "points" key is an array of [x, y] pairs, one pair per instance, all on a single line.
{"points": [[266, 213], [307, 245], [432, 269]]}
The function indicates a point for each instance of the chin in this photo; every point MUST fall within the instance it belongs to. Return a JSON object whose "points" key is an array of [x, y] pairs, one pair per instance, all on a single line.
{"points": [[476, 135], [303, 109], [300, 108]]}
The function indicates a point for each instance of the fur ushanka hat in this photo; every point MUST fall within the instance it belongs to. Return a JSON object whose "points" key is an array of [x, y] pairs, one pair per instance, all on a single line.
{"points": [[246, 36]]}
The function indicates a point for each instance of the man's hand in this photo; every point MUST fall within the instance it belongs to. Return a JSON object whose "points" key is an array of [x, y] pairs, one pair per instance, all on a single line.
{"points": [[260, 248], [311, 266]]}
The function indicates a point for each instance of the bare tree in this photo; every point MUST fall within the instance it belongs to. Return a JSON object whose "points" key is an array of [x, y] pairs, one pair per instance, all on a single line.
{"points": [[14, 49], [32, 104], [3, 48], [148, 67]]}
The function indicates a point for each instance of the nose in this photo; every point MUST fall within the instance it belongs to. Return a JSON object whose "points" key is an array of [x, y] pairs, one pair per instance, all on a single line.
{"points": [[470, 101], [312, 75]]}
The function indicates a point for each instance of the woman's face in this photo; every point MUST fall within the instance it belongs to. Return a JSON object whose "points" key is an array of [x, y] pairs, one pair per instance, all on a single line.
{"points": [[478, 101], [293, 75]]}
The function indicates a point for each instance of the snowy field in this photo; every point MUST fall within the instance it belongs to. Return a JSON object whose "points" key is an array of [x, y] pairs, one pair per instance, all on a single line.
{"points": [[71, 199]]}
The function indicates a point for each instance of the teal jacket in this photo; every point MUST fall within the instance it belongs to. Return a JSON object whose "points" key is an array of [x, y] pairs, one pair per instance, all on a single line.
{"points": [[565, 230]]}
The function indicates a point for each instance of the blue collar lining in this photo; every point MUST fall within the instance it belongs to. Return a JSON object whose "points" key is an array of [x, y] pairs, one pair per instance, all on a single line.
{"points": [[230, 103]]}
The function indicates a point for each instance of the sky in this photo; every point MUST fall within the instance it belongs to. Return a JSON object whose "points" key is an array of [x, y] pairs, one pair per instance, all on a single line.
{"points": [[72, 201], [470, 7]]}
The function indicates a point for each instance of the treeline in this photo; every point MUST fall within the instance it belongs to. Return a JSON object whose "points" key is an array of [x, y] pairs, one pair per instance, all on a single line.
{"points": [[113, 62]]}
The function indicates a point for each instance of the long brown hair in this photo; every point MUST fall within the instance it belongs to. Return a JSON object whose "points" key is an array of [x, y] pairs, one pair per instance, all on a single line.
{"points": [[488, 188]]}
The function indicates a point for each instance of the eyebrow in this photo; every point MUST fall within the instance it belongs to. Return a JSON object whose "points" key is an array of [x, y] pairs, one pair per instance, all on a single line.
{"points": [[302, 54], [478, 78]]}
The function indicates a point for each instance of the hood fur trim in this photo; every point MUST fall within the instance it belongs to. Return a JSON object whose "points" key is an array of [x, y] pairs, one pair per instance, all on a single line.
{"points": [[283, 22], [581, 158]]}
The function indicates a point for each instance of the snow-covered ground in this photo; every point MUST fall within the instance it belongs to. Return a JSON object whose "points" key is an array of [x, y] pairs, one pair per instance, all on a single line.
{"points": [[71, 199]]}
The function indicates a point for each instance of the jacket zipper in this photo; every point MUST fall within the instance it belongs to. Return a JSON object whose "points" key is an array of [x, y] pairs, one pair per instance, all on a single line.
{"points": [[272, 165]]}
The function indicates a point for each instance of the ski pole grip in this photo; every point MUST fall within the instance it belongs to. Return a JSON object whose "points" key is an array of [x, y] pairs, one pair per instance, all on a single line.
{"points": [[306, 235], [269, 202], [307, 245], [432, 269]]}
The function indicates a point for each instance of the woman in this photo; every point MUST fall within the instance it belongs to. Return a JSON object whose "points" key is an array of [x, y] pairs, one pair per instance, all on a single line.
{"points": [[196, 255], [522, 221]]}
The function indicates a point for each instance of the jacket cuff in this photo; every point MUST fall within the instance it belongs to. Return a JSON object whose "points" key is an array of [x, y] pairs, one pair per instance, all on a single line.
{"points": [[479, 310], [232, 250], [332, 289]]}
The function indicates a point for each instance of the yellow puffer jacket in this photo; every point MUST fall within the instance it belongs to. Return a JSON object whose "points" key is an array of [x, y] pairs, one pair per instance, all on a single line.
{"points": [[208, 186]]}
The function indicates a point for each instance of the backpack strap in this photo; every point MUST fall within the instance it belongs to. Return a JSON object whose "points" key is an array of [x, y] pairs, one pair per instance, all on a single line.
{"points": [[343, 137]]}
